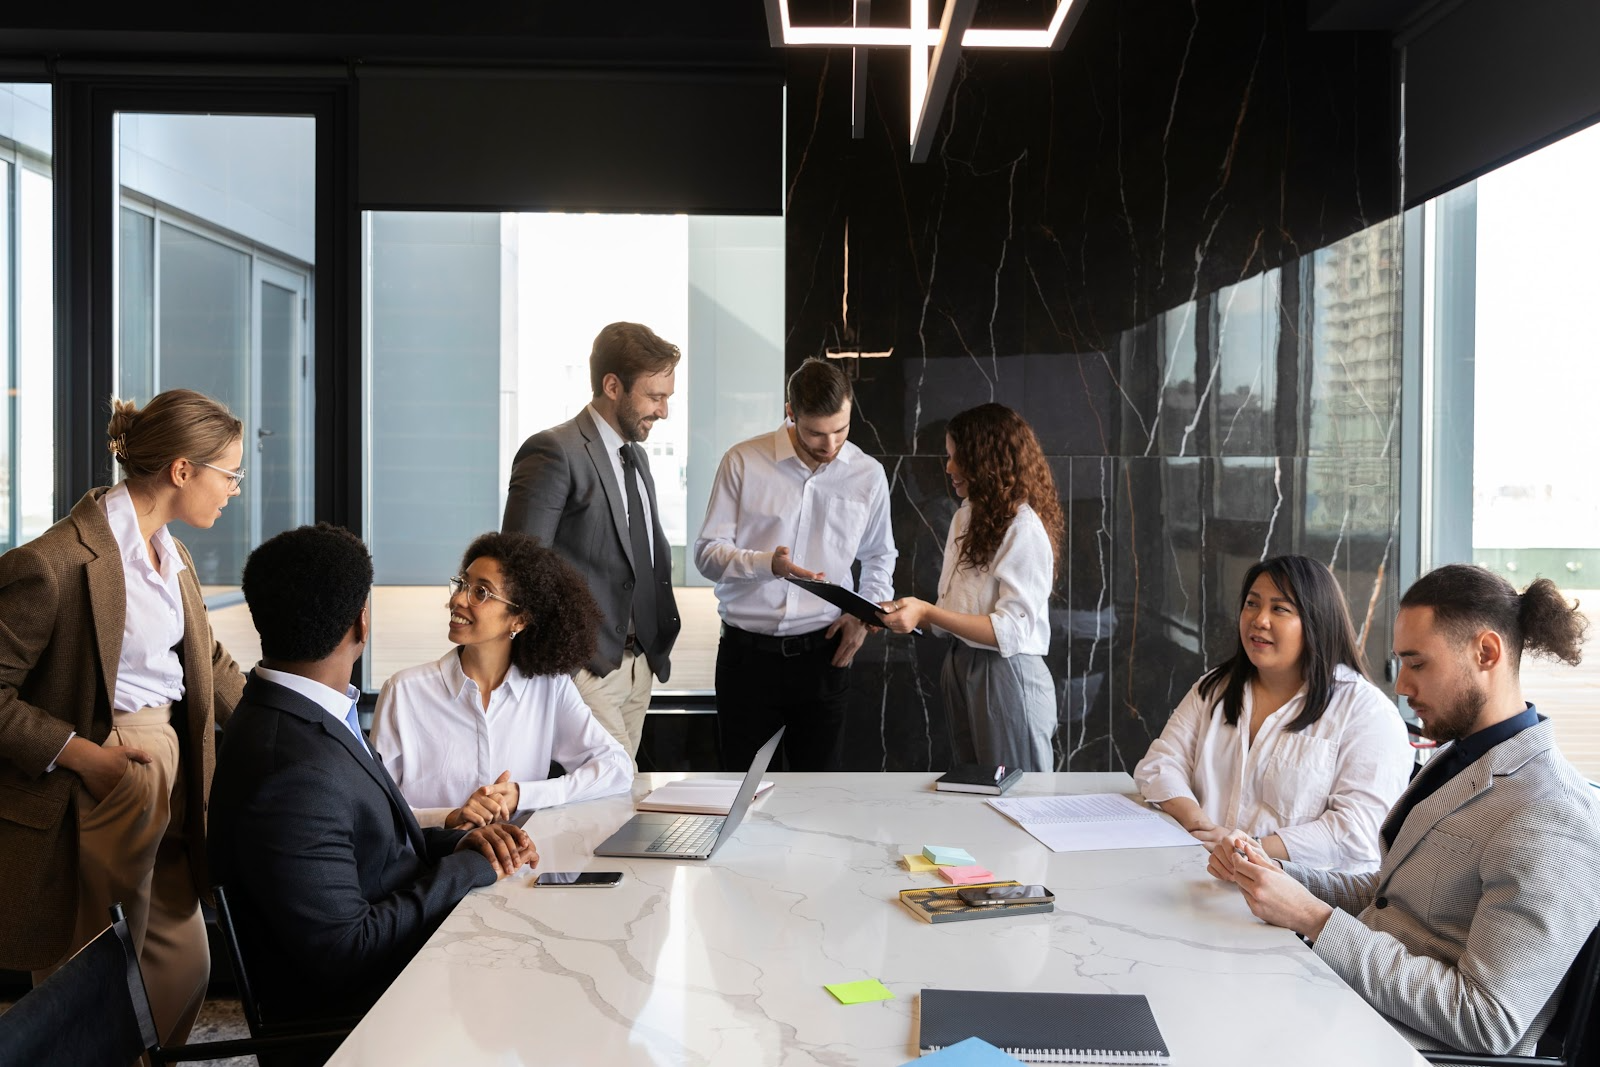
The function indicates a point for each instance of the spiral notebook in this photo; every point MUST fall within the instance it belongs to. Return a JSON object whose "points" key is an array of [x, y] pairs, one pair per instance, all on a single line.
{"points": [[1046, 1027]]}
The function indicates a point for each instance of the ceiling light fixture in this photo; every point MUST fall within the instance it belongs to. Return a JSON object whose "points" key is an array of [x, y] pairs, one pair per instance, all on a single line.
{"points": [[935, 52]]}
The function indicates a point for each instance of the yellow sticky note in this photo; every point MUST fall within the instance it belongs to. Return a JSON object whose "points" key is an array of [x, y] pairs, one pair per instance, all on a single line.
{"points": [[917, 863], [862, 992]]}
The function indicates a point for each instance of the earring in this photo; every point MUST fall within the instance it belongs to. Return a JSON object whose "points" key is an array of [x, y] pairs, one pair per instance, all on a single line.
{"points": [[514, 634]]}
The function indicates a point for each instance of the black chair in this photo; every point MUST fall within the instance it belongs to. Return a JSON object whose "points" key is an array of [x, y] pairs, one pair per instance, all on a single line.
{"points": [[328, 1032], [1569, 1040], [94, 1012]]}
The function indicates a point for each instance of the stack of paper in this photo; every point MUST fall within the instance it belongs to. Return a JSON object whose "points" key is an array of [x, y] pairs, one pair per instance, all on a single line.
{"points": [[1093, 821], [698, 796]]}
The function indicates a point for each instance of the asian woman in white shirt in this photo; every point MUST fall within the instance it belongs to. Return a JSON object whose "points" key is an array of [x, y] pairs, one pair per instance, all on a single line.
{"points": [[469, 739], [1286, 740], [994, 592]]}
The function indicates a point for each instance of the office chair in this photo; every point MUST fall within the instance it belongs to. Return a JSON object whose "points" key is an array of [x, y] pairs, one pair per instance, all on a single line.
{"points": [[321, 1031], [94, 1012], [1569, 1040]]}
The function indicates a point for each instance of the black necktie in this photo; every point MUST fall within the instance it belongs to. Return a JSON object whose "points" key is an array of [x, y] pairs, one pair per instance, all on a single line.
{"points": [[644, 573]]}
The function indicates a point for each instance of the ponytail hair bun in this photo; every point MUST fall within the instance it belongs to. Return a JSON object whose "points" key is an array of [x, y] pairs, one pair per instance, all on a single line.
{"points": [[1551, 628], [176, 424]]}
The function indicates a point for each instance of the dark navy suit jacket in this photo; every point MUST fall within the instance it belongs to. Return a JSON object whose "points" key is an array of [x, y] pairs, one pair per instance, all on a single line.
{"points": [[332, 884]]}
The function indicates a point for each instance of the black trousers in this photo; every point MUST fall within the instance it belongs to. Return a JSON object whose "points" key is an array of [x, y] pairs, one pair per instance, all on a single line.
{"points": [[763, 684]]}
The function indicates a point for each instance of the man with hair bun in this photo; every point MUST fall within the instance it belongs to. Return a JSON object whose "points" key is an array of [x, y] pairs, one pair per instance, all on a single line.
{"points": [[799, 497], [1490, 858]]}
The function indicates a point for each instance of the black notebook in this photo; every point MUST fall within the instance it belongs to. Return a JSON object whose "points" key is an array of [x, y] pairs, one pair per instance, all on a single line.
{"points": [[972, 778], [1046, 1027]]}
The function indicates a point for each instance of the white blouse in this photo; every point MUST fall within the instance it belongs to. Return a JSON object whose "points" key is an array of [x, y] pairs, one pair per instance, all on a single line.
{"points": [[149, 672], [1323, 790], [1013, 590], [439, 744]]}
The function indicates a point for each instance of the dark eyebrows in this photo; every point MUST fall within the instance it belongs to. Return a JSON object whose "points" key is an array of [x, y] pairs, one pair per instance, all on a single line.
{"points": [[1402, 654]]}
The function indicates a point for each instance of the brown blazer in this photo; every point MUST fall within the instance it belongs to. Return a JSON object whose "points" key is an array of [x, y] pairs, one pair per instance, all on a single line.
{"points": [[62, 605]]}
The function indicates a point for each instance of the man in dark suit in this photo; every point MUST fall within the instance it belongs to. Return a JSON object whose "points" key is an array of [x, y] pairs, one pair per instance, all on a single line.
{"points": [[333, 885], [584, 488]]}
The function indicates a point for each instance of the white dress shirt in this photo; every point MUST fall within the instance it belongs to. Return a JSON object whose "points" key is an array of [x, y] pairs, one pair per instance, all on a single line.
{"points": [[1323, 790], [440, 745], [614, 442], [1013, 590], [149, 672], [335, 703], [765, 496]]}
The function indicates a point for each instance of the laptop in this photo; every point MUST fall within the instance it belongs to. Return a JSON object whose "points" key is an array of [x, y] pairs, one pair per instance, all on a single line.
{"points": [[668, 835]]}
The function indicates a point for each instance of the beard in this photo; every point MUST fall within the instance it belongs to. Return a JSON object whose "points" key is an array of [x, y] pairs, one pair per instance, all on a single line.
{"points": [[1461, 717], [635, 426]]}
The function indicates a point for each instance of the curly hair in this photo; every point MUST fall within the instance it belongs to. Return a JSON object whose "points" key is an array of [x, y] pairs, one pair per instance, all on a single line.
{"points": [[1005, 468], [563, 620], [305, 588]]}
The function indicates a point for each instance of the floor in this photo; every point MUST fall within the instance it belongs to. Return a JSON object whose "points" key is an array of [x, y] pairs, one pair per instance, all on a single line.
{"points": [[220, 1020]]}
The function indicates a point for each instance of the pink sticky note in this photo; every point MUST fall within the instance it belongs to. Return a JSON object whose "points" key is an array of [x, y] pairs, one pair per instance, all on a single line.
{"points": [[966, 875]]}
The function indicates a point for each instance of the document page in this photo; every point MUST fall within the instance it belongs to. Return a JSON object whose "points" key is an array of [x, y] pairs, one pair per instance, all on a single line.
{"points": [[1090, 822]]}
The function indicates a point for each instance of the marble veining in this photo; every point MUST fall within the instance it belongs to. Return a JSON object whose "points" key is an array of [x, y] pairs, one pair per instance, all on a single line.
{"points": [[723, 962], [1172, 247]]}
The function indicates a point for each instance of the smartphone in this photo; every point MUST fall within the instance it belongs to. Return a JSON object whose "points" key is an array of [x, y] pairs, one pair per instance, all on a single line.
{"points": [[580, 879], [994, 896]]}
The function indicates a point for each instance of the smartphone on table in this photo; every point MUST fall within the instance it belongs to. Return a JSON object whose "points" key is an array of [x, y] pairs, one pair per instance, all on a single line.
{"points": [[998, 896], [580, 879]]}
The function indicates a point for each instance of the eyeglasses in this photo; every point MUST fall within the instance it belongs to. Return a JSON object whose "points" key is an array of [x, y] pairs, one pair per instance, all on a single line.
{"points": [[479, 593], [234, 477]]}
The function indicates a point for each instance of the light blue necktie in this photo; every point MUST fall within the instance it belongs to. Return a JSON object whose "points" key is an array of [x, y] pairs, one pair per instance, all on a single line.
{"points": [[352, 720]]}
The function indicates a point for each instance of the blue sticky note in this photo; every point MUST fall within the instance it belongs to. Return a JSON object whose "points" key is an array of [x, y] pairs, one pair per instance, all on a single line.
{"points": [[948, 856], [973, 1052]]}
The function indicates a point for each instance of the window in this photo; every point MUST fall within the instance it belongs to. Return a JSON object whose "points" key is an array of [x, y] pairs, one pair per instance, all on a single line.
{"points": [[1511, 369], [478, 328], [27, 314]]}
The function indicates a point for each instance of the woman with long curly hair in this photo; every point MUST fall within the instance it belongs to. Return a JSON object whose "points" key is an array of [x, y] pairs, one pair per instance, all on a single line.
{"points": [[469, 739], [994, 592]]}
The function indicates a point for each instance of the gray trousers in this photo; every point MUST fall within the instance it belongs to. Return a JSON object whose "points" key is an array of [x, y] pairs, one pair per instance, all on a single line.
{"points": [[1002, 711]]}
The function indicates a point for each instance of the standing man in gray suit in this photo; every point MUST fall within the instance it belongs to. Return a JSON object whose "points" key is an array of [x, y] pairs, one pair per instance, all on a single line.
{"points": [[584, 489], [1490, 859]]}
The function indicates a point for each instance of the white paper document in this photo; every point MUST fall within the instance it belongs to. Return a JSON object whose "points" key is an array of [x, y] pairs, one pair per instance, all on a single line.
{"points": [[701, 796], [1090, 822]]}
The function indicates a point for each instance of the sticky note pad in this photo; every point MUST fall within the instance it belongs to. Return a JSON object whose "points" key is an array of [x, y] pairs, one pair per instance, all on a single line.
{"points": [[862, 992], [966, 875], [918, 864], [947, 855], [973, 1052]]}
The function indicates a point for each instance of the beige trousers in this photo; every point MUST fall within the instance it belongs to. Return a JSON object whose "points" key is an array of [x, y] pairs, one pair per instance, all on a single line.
{"points": [[131, 849], [620, 699]]}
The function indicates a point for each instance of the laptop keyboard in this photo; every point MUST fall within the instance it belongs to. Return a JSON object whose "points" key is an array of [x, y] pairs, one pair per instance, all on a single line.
{"points": [[690, 834]]}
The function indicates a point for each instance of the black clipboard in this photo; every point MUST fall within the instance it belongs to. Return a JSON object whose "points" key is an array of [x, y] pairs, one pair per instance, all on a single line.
{"points": [[844, 599]]}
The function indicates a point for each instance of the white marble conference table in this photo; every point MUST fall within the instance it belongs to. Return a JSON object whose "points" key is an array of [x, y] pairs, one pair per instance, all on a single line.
{"points": [[724, 962]]}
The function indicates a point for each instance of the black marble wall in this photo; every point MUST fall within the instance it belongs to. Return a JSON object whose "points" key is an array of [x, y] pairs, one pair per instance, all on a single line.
{"points": [[1171, 247]]}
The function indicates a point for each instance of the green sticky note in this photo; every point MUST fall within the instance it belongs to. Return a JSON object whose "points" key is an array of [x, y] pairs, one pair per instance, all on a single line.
{"points": [[862, 992]]}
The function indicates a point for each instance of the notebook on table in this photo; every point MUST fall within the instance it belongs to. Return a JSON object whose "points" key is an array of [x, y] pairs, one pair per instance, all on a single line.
{"points": [[662, 835], [1046, 1027]]}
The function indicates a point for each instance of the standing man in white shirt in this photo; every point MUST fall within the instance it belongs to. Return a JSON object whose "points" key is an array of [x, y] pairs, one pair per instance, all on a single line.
{"points": [[800, 501], [584, 489]]}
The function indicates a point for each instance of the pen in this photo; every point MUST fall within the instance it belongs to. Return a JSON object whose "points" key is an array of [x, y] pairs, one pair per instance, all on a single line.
{"points": [[1000, 772]]}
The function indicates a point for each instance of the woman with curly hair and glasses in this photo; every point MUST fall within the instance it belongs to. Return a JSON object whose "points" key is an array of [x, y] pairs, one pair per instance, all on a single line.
{"points": [[469, 739], [994, 592]]}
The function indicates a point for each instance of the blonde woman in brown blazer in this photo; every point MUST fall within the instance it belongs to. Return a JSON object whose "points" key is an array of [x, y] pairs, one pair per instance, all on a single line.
{"points": [[111, 686]]}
